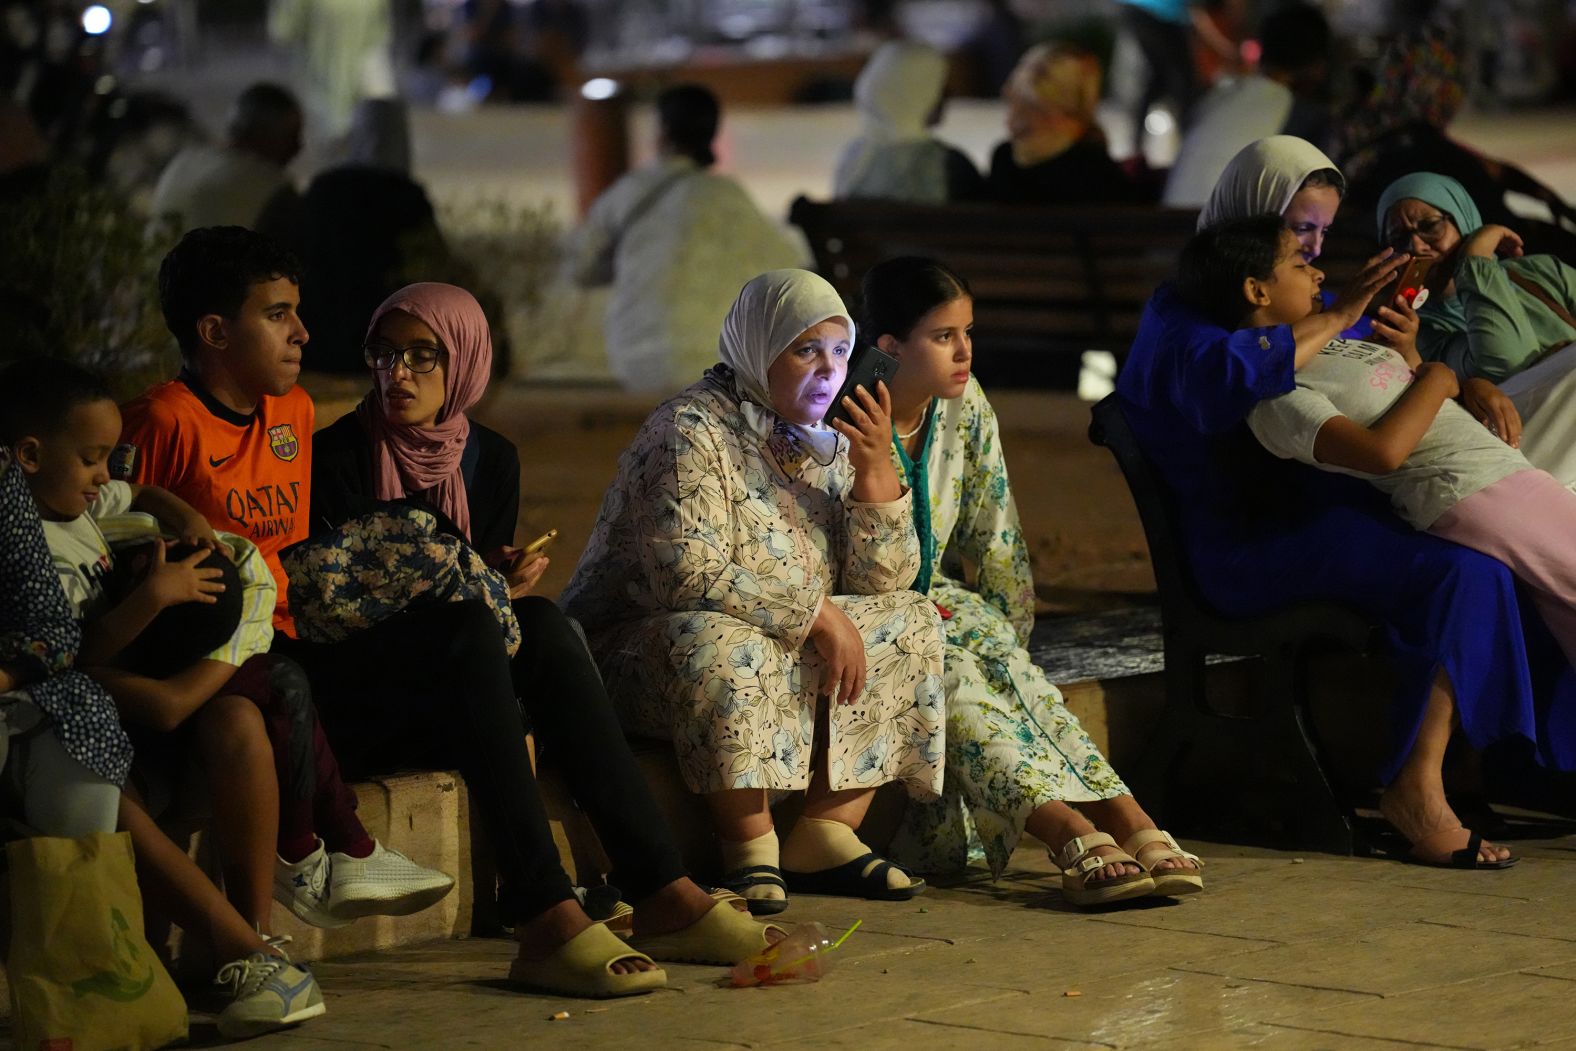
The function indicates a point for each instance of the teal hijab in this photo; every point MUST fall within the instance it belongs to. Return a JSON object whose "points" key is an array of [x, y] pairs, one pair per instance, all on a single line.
{"points": [[1450, 197]]}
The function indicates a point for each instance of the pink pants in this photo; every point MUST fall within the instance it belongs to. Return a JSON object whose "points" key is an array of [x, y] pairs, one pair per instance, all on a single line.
{"points": [[1528, 522]]}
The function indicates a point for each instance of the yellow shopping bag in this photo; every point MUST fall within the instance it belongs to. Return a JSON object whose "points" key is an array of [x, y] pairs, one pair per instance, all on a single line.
{"points": [[83, 977]]}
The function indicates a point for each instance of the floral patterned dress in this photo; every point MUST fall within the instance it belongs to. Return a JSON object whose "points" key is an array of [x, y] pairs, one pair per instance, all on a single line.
{"points": [[1012, 745], [712, 554]]}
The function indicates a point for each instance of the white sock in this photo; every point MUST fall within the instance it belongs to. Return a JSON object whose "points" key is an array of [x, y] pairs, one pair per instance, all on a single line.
{"points": [[762, 850], [816, 844]]}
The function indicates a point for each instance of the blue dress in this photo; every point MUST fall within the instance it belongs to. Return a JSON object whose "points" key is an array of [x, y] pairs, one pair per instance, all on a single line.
{"points": [[1261, 534]]}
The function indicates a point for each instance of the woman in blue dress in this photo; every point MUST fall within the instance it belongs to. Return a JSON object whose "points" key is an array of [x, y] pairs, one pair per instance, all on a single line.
{"points": [[1186, 388]]}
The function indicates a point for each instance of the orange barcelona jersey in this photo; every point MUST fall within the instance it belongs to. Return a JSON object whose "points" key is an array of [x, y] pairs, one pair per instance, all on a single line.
{"points": [[248, 474]]}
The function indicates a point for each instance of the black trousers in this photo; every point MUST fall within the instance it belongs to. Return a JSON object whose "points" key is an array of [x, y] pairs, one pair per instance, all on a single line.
{"points": [[434, 687]]}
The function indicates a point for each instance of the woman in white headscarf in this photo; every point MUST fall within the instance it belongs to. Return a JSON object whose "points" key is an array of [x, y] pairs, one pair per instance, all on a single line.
{"points": [[745, 593], [895, 157]]}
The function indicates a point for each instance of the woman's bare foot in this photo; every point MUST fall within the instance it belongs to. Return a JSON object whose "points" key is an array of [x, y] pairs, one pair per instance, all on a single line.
{"points": [[543, 934], [1123, 818], [1115, 870], [1420, 813], [672, 908], [675, 907]]}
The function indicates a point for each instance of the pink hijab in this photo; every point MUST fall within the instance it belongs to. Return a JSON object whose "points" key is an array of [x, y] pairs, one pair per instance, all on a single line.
{"points": [[417, 459]]}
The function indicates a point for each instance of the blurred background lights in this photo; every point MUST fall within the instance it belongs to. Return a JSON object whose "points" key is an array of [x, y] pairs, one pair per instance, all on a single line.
{"points": [[96, 19], [598, 88]]}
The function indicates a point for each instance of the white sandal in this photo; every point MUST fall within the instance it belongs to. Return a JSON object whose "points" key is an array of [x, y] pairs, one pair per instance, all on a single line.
{"points": [[1159, 845], [1079, 865]]}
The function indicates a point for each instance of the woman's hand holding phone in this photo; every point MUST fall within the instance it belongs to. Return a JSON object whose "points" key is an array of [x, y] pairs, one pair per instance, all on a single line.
{"points": [[869, 433], [1396, 326], [523, 567]]}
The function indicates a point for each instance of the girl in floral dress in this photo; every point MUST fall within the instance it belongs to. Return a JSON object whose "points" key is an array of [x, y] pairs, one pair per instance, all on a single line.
{"points": [[1017, 759]]}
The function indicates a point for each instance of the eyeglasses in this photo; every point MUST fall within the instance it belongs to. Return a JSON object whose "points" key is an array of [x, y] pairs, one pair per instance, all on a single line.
{"points": [[1430, 230], [418, 357]]}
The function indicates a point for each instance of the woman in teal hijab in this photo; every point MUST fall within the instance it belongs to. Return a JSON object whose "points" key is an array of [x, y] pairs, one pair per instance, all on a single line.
{"points": [[1494, 315], [1482, 319]]}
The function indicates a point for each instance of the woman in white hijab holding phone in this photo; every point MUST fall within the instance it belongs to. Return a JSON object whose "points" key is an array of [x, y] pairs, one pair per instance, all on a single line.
{"points": [[745, 593]]}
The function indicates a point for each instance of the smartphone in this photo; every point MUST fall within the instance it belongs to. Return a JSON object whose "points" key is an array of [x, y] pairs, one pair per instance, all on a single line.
{"points": [[868, 366], [1410, 283], [538, 545]]}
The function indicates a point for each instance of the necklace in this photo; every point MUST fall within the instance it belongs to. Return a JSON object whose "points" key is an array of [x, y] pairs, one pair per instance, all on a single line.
{"points": [[923, 418]]}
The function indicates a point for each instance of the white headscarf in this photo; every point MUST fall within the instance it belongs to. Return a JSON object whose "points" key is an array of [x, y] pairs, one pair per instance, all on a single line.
{"points": [[1263, 177], [771, 312], [895, 94]]}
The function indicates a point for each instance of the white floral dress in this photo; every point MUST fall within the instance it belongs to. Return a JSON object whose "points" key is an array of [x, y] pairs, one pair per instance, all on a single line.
{"points": [[1012, 745], [712, 554]]}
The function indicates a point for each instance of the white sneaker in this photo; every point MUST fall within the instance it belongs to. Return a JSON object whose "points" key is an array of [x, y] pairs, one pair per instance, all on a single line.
{"points": [[303, 887], [266, 992], [384, 883]]}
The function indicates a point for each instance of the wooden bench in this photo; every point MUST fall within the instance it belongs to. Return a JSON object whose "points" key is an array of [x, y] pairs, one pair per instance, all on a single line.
{"points": [[1049, 283]]}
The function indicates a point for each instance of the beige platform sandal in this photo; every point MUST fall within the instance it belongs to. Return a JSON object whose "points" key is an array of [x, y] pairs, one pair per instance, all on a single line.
{"points": [[1152, 846], [1079, 865], [583, 966]]}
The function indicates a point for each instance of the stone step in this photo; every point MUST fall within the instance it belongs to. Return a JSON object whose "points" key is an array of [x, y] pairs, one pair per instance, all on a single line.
{"points": [[1107, 665]]}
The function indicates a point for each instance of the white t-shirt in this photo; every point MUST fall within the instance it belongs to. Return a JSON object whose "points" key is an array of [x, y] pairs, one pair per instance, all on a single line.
{"points": [[1359, 380], [81, 554]]}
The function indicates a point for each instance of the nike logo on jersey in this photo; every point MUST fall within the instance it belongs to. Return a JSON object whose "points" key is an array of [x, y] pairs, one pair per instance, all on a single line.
{"points": [[215, 461]]}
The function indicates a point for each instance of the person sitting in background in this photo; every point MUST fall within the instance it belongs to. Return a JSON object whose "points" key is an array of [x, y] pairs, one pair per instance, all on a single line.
{"points": [[743, 593], [1055, 153], [899, 98], [1286, 97], [1398, 126], [676, 241], [369, 227], [242, 182]]}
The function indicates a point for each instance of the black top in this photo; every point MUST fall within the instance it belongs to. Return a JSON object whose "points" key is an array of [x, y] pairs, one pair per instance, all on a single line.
{"points": [[964, 182], [1081, 174], [1421, 147], [342, 481]]}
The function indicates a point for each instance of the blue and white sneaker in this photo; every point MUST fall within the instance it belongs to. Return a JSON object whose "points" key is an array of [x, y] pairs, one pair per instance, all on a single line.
{"points": [[266, 992], [302, 887]]}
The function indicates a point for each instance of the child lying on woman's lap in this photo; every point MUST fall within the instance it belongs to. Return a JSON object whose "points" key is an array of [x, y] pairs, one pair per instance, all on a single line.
{"points": [[1380, 413]]}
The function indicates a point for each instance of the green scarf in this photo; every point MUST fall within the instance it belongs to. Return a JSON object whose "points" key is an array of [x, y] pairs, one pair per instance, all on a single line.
{"points": [[914, 472]]}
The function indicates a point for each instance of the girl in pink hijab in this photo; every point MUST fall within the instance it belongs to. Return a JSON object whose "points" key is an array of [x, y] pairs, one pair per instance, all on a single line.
{"points": [[430, 353]]}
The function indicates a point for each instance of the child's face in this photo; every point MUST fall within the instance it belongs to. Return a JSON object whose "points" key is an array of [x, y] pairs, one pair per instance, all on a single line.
{"points": [[1292, 292], [64, 471]]}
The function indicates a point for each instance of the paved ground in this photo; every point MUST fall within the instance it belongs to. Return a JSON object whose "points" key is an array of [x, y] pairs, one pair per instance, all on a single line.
{"points": [[1282, 950]]}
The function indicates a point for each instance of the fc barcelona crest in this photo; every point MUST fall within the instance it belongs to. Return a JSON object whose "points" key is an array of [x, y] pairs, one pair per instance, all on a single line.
{"points": [[282, 440]]}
